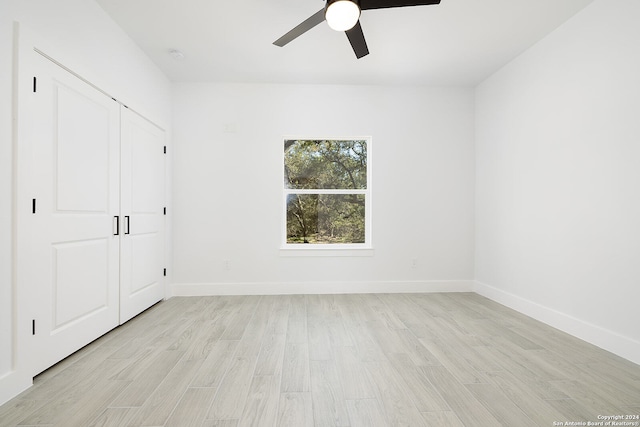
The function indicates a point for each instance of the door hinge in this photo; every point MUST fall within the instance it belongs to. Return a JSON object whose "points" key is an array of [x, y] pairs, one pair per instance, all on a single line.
{"points": [[33, 206], [165, 149], [165, 272], [33, 327], [35, 85]]}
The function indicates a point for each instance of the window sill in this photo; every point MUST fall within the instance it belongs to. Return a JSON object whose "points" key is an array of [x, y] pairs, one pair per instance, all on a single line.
{"points": [[325, 252]]}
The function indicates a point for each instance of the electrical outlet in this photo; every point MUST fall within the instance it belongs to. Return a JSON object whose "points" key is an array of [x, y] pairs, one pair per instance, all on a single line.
{"points": [[414, 262], [227, 264]]}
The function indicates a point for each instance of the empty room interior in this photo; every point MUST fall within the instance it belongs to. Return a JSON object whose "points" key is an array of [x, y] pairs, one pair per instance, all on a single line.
{"points": [[230, 214]]}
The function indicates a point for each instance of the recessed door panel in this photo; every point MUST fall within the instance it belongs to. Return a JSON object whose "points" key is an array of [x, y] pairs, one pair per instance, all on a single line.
{"points": [[148, 255], [147, 168], [87, 139], [80, 274]]}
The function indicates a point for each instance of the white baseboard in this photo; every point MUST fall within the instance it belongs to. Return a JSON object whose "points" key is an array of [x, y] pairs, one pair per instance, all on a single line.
{"points": [[286, 288], [593, 334], [12, 384]]}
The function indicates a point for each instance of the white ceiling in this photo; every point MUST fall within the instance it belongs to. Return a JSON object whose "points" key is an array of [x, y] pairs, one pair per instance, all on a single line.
{"points": [[456, 43]]}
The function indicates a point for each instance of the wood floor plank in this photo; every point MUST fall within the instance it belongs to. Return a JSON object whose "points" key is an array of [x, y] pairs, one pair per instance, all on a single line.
{"points": [[392, 393], [297, 329], [324, 307], [261, 407], [86, 408], [158, 406], [409, 314], [366, 413], [424, 395], [215, 365], [573, 411], [90, 354], [320, 347], [593, 397], [140, 337], [241, 317], [59, 404], [295, 368], [534, 359], [522, 395], [383, 312], [191, 411], [148, 380], [295, 410], [220, 423], [412, 347], [234, 388], [338, 335], [453, 356], [143, 327], [489, 328], [354, 377], [623, 379], [271, 354], [471, 412], [204, 339], [621, 391], [279, 316], [329, 405], [442, 419], [524, 371], [499, 405], [551, 338], [114, 417], [66, 381], [297, 306], [361, 336], [483, 359], [435, 305], [18, 409], [386, 338]]}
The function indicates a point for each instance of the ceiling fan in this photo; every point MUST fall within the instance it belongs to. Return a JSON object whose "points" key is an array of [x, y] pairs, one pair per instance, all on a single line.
{"points": [[344, 15]]}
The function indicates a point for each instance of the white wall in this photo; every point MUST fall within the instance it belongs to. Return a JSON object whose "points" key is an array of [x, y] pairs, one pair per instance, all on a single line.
{"points": [[81, 36], [228, 186], [558, 179]]}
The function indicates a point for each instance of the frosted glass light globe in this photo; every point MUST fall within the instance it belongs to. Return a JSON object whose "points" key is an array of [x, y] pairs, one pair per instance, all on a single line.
{"points": [[342, 15]]}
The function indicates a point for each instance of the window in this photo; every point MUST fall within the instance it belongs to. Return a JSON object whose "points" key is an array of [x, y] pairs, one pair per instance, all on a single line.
{"points": [[327, 193]]}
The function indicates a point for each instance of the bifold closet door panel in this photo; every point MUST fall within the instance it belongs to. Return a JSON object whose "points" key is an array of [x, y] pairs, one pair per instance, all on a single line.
{"points": [[74, 250], [142, 209]]}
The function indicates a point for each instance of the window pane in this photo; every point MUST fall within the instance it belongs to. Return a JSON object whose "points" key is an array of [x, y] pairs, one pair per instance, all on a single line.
{"points": [[325, 164], [325, 218]]}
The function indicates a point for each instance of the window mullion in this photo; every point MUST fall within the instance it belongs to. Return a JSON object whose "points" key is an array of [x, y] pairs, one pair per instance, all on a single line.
{"points": [[323, 191]]}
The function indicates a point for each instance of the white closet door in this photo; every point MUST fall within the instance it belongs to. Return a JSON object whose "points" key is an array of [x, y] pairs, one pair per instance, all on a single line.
{"points": [[73, 282], [142, 209]]}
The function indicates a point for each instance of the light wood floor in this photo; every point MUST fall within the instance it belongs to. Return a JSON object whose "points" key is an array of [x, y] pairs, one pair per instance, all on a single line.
{"points": [[330, 360]]}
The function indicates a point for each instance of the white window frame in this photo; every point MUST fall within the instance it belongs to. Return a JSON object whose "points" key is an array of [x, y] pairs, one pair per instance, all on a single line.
{"points": [[333, 249]]}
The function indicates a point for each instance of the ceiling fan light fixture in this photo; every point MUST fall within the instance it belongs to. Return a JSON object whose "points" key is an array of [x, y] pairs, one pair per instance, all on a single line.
{"points": [[342, 15]]}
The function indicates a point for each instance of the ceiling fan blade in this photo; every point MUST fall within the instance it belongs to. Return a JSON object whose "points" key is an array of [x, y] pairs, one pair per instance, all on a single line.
{"points": [[382, 4], [305, 26], [358, 43]]}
